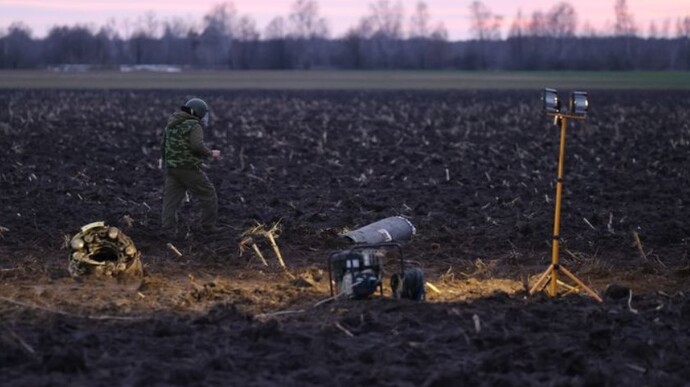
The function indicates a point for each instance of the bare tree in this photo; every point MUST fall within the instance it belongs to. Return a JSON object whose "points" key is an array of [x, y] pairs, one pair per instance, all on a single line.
{"points": [[683, 34], [516, 40], [174, 42], [384, 38], [275, 29], [246, 42], [653, 31], [17, 49], [106, 52], [419, 21], [306, 29], [221, 18], [419, 36], [71, 45], [143, 41], [110, 29], [126, 27], [246, 29], [436, 51], [485, 25], [624, 29], [176, 27], [625, 23], [561, 25], [275, 51], [545, 45], [215, 41], [386, 18], [530, 52], [440, 32], [305, 22], [427, 46], [365, 28], [665, 30], [562, 21], [356, 45], [538, 24], [588, 30], [517, 27], [148, 24], [385, 22], [683, 28]]}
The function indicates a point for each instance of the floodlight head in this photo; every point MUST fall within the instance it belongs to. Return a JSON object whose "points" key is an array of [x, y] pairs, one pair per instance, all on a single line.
{"points": [[552, 104], [579, 103]]}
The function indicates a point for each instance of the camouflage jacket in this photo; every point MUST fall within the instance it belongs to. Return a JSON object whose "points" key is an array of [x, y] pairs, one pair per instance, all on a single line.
{"points": [[183, 142]]}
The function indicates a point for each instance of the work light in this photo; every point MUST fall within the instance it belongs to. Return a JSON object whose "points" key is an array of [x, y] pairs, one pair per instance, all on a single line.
{"points": [[578, 102], [551, 102]]}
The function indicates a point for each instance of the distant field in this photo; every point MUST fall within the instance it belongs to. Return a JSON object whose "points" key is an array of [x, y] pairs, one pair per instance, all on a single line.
{"points": [[341, 80]]}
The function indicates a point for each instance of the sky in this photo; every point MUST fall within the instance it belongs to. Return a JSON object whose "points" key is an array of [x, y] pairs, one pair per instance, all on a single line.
{"points": [[41, 15]]}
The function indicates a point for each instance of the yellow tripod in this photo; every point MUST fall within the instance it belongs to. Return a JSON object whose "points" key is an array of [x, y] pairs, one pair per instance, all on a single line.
{"points": [[555, 268]]}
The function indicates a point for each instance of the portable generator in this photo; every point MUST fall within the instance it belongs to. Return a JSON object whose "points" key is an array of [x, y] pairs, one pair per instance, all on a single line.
{"points": [[358, 272]]}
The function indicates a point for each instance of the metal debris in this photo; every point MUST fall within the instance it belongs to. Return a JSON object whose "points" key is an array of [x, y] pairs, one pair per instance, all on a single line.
{"points": [[394, 228], [103, 251]]}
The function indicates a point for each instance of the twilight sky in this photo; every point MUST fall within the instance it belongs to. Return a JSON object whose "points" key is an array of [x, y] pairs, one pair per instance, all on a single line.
{"points": [[40, 15]]}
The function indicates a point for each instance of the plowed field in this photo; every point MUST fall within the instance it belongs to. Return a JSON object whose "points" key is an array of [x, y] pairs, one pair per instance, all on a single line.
{"points": [[474, 172]]}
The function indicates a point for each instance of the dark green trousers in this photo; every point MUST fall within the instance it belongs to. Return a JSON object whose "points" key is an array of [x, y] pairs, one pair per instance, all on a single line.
{"points": [[179, 181]]}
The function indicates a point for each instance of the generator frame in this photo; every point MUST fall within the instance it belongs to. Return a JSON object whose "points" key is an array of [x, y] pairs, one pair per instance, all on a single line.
{"points": [[356, 248]]}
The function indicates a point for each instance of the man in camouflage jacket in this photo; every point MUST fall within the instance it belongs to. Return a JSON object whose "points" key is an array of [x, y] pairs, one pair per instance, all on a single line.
{"points": [[183, 150]]}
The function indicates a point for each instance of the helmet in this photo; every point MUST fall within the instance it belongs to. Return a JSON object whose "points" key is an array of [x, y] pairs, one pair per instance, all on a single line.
{"points": [[197, 107]]}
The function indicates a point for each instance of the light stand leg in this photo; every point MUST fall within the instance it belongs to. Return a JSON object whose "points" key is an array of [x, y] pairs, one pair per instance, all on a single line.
{"points": [[553, 288], [539, 285], [555, 266], [581, 284]]}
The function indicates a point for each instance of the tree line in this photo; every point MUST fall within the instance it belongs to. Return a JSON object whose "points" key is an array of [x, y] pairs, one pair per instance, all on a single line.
{"points": [[382, 39]]}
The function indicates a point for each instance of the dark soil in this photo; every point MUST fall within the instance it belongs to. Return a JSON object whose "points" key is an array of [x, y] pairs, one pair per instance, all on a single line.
{"points": [[474, 171]]}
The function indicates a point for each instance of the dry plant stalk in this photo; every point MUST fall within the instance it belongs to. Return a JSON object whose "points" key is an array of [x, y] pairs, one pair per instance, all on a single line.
{"points": [[13, 336], [173, 249], [638, 243], [325, 300], [432, 287], [270, 234], [258, 254], [630, 296], [274, 245], [344, 330], [193, 282], [264, 316], [637, 368], [589, 224], [477, 323], [448, 276]]}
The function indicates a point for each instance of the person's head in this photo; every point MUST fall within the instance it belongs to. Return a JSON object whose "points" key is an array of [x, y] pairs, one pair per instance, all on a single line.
{"points": [[196, 107]]}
